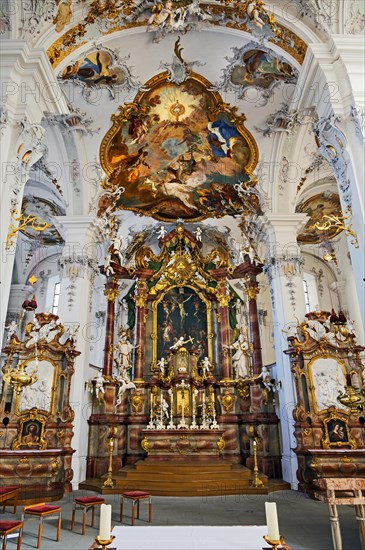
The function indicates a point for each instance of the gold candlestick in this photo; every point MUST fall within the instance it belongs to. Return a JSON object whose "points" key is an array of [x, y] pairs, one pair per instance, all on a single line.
{"points": [[275, 543], [256, 482], [110, 446], [104, 543]]}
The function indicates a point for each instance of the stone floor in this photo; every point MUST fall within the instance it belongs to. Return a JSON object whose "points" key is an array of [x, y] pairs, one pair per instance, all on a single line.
{"points": [[303, 522]]}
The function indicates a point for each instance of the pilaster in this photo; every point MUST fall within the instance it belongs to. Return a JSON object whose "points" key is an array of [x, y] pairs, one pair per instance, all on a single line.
{"points": [[284, 270], [78, 265]]}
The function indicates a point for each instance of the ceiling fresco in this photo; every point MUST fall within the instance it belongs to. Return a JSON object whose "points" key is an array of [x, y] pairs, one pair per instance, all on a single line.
{"points": [[100, 68], [178, 151], [317, 207], [256, 67], [45, 210]]}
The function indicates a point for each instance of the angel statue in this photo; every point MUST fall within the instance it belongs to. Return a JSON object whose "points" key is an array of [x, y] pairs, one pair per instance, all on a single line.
{"points": [[266, 379], [206, 365], [97, 383]]}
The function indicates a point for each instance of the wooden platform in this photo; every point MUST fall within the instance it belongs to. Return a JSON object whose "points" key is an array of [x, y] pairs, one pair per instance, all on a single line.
{"points": [[186, 479]]}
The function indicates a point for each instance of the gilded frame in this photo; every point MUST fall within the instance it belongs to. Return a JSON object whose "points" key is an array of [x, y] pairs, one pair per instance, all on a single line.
{"points": [[313, 383], [137, 108], [337, 432], [25, 439], [55, 377], [209, 309]]}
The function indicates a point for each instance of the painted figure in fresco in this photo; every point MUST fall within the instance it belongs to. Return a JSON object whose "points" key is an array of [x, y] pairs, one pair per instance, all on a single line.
{"points": [[93, 69]]}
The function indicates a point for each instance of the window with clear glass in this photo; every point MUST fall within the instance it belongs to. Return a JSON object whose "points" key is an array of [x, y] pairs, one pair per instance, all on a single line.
{"points": [[56, 298], [310, 292]]}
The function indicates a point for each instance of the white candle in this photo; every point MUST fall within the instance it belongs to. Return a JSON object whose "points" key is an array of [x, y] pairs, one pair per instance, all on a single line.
{"points": [[105, 521], [272, 521]]}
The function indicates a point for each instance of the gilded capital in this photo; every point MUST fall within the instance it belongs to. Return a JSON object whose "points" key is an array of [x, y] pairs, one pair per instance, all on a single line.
{"points": [[252, 291], [111, 293], [141, 293]]}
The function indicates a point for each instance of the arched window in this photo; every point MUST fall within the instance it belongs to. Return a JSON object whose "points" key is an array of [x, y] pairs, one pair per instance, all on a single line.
{"points": [[310, 292], [56, 297]]}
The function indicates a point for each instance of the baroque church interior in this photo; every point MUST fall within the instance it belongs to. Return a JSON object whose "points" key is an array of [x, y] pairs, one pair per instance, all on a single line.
{"points": [[182, 228]]}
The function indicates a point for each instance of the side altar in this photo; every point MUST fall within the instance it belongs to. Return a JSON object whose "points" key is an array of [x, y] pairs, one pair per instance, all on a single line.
{"points": [[183, 377]]}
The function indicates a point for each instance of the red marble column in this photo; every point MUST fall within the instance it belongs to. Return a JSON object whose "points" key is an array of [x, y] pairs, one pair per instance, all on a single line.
{"points": [[225, 332], [252, 290], [111, 292], [140, 333]]}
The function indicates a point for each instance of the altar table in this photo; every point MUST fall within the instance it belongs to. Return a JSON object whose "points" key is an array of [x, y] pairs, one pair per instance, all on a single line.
{"points": [[187, 538]]}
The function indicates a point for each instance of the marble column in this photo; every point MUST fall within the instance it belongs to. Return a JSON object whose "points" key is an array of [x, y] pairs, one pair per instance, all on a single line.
{"points": [[252, 290], [141, 295], [111, 292], [284, 271], [225, 331]]}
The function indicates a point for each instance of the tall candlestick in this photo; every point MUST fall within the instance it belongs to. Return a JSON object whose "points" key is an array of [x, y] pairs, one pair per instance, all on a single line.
{"points": [[272, 521], [105, 521]]}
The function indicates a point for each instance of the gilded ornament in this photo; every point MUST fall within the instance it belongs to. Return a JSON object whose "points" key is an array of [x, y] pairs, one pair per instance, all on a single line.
{"points": [[220, 445], [111, 293], [145, 444], [24, 221], [227, 401], [137, 401], [251, 291], [243, 390], [55, 464]]}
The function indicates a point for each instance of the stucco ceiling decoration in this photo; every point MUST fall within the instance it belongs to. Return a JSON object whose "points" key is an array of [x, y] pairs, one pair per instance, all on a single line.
{"points": [[105, 18], [317, 207], [100, 68], [254, 66], [179, 151], [45, 210]]}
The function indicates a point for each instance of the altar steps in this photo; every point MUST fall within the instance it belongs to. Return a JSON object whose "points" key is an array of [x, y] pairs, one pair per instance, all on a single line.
{"points": [[187, 479]]}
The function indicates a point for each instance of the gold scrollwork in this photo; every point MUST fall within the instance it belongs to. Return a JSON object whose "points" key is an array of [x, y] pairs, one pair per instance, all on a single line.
{"points": [[111, 293], [252, 291], [137, 401], [145, 444], [220, 445], [227, 401], [55, 465]]}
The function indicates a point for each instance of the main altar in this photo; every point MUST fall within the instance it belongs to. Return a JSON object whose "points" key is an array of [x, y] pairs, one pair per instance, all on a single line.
{"points": [[184, 382]]}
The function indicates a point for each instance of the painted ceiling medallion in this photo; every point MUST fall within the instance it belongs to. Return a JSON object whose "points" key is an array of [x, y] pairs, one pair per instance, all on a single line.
{"points": [[100, 68], [178, 151], [317, 208], [258, 67]]}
